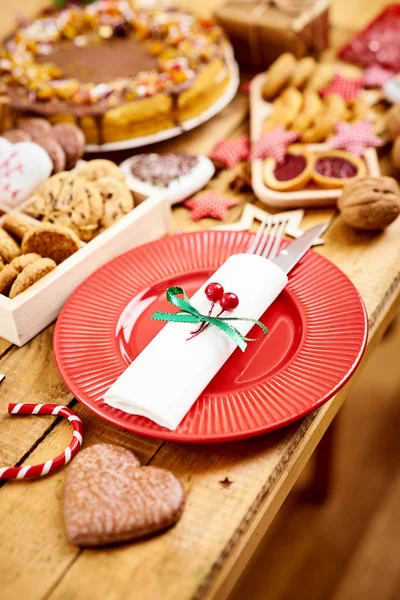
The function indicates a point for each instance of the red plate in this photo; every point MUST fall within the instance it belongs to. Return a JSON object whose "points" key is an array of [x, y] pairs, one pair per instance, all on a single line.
{"points": [[317, 335]]}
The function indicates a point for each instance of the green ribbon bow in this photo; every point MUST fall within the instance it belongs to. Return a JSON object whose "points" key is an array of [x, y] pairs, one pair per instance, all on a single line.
{"points": [[189, 314]]}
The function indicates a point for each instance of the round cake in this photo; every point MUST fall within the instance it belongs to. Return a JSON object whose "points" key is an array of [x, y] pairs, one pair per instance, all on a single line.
{"points": [[119, 71]]}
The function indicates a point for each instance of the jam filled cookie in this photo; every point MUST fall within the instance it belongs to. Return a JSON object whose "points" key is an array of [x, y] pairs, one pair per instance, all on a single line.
{"points": [[51, 241], [72, 141], [333, 169], [293, 173], [31, 274]]}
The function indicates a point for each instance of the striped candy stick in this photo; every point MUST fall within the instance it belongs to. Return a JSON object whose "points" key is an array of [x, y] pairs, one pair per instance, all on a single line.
{"points": [[62, 459]]}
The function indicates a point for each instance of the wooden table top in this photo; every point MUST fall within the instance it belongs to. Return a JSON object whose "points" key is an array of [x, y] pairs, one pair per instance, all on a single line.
{"points": [[205, 553]]}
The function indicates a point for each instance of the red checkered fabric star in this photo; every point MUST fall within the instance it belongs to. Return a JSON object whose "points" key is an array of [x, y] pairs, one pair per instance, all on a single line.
{"points": [[376, 76], [343, 86], [273, 144], [231, 152], [210, 205], [354, 138]]}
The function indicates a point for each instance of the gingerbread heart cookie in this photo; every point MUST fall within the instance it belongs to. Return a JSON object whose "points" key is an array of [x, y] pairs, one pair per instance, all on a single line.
{"points": [[110, 498]]}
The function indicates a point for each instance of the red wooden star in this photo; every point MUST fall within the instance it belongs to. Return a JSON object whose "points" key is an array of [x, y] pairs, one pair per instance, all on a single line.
{"points": [[355, 138], [343, 86], [273, 144], [210, 205], [231, 152]]}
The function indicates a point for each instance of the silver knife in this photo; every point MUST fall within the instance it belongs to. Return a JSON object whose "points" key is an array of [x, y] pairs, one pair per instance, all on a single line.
{"points": [[290, 256]]}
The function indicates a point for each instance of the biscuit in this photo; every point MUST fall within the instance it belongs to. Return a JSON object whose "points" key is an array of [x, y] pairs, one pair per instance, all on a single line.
{"points": [[51, 241], [16, 226], [22, 261], [7, 277], [321, 76], [1, 264], [35, 126], [101, 167], [285, 109], [31, 274], [359, 110], [304, 69], [109, 498], [117, 199], [334, 110], [17, 135], [9, 248], [72, 141], [312, 105], [278, 75], [54, 150]]}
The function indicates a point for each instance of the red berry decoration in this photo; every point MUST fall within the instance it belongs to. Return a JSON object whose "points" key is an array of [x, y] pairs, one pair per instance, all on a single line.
{"points": [[229, 301], [214, 292]]}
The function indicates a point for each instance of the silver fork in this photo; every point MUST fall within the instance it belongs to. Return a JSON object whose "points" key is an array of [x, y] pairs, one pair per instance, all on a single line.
{"points": [[268, 238]]}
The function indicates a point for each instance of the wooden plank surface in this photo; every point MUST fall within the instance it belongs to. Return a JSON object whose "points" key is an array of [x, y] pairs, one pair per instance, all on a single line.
{"points": [[221, 526]]}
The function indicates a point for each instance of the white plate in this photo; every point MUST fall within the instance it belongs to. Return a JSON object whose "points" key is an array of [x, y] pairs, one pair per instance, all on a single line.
{"points": [[213, 110], [178, 189]]}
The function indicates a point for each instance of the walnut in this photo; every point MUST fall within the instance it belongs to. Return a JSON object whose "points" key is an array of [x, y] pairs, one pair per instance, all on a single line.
{"points": [[393, 121], [396, 152], [370, 202]]}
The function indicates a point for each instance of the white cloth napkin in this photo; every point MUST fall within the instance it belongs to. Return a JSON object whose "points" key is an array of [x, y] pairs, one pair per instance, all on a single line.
{"points": [[164, 381]]}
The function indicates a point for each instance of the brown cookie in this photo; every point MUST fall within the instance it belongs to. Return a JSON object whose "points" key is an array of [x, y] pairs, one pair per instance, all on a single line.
{"points": [[51, 241], [9, 248], [7, 277], [35, 126], [72, 141], [54, 150], [109, 498], [31, 274], [16, 226], [101, 167], [17, 135], [117, 199], [2, 265], [20, 262], [79, 205]]}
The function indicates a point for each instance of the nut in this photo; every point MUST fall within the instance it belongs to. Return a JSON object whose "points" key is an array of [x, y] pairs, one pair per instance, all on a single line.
{"points": [[396, 152], [370, 203], [393, 121]]}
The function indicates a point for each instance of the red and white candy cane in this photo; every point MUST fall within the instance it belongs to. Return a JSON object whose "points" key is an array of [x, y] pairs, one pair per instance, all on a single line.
{"points": [[62, 459]]}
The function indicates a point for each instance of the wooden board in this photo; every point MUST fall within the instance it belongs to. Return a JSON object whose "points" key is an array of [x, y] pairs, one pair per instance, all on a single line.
{"points": [[222, 524]]}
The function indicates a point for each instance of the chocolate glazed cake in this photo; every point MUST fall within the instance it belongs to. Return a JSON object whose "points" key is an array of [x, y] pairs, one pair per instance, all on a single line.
{"points": [[118, 70]]}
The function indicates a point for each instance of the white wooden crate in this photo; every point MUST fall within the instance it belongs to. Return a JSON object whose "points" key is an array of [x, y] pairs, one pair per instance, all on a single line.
{"points": [[22, 317]]}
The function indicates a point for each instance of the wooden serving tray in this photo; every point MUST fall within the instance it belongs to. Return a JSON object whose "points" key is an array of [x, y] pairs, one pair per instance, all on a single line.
{"points": [[310, 196], [22, 317]]}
